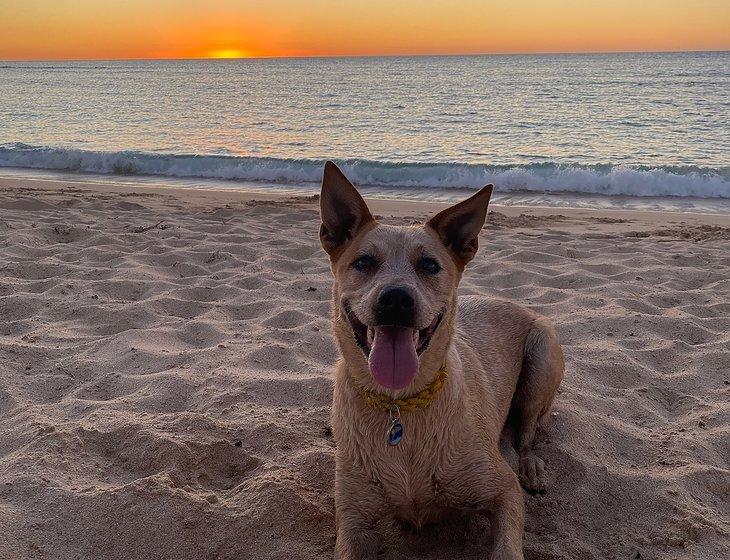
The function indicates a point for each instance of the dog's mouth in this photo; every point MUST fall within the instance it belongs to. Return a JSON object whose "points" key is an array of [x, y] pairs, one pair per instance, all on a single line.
{"points": [[392, 351]]}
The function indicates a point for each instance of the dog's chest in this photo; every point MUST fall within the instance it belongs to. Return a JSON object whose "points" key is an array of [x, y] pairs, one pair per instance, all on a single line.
{"points": [[409, 491], [412, 480]]}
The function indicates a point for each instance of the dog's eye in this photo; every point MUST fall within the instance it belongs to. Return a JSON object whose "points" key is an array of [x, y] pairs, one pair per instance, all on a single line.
{"points": [[364, 263], [429, 266]]}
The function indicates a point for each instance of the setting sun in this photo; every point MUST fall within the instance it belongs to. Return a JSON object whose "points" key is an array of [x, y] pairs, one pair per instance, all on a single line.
{"points": [[228, 53]]}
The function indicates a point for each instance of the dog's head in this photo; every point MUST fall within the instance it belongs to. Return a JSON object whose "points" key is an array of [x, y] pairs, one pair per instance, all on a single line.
{"points": [[395, 287]]}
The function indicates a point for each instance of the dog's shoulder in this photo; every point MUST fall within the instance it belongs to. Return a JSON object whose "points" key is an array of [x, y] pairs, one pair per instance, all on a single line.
{"points": [[477, 313], [494, 331]]}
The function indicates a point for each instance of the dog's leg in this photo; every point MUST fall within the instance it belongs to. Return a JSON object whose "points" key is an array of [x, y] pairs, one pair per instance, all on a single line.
{"points": [[507, 519], [358, 505], [490, 486], [542, 371]]}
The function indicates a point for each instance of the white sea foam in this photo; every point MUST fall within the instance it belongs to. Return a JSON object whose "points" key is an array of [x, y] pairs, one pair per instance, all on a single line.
{"points": [[540, 177]]}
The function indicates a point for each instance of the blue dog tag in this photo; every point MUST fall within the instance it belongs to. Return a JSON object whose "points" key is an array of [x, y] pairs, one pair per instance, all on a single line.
{"points": [[395, 432]]}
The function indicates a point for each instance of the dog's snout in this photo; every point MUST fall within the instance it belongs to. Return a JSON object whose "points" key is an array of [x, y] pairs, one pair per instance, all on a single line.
{"points": [[396, 307], [396, 298]]}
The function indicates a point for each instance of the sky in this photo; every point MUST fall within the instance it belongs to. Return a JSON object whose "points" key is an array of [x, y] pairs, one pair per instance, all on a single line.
{"points": [[124, 29]]}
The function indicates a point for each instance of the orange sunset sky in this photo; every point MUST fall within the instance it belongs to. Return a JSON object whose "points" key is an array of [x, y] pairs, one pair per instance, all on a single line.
{"points": [[95, 29]]}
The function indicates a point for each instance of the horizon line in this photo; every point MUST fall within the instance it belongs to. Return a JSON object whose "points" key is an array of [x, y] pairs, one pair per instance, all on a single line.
{"points": [[389, 55]]}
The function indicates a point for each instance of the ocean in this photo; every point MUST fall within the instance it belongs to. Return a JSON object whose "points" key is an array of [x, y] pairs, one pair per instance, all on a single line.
{"points": [[542, 128]]}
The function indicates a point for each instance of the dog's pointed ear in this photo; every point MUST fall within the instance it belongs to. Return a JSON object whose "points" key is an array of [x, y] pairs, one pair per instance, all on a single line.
{"points": [[343, 211], [458, 226]]}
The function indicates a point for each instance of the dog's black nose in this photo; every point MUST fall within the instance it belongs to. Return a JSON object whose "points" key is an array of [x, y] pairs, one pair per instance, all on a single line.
{"points": [[396, 307]]}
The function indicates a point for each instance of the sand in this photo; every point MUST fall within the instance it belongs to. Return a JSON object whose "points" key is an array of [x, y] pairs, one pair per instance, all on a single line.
{"points": [[165, 387]]}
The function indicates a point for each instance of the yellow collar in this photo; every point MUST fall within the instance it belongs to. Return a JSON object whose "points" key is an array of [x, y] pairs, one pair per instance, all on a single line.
{"points": [[415, 402]]}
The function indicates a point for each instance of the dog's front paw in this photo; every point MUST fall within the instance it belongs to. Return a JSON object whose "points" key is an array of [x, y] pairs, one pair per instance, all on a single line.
{"points": [[532, 473]]}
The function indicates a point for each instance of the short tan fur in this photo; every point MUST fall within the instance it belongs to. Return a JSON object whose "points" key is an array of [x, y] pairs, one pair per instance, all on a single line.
{"points": [[499, 357]]}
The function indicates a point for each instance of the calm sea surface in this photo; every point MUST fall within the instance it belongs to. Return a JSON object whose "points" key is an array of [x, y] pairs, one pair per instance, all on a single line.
{"points": [[627, 124]]}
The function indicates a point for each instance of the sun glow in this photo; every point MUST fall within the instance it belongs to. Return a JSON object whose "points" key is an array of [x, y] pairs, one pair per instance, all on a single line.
{"points": [[228, 53], [102, 29]]}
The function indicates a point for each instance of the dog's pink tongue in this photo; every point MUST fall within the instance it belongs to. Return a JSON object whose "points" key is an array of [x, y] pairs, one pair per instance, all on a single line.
{"points": [[393, 359]]}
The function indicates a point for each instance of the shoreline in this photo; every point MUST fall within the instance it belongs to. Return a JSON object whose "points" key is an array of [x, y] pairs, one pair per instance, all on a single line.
{"points": [[211, 190]]}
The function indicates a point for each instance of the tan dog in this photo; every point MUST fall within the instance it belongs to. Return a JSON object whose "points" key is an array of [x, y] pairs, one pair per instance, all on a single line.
{"points": [[423, 391]]}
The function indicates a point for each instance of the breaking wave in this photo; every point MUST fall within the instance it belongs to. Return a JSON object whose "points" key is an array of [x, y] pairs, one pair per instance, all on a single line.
{"points": [[606, 179]]}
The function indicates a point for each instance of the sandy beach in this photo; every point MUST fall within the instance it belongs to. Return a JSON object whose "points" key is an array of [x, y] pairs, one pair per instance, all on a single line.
{"points": [[165, 386]]}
